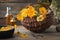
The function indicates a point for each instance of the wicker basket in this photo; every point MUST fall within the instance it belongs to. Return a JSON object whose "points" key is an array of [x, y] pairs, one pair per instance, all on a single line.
{"points": [[35, 26]]}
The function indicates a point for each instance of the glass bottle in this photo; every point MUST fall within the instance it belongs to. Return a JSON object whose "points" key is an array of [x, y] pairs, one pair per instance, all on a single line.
{"points": [[8, 16], [10, 20]]}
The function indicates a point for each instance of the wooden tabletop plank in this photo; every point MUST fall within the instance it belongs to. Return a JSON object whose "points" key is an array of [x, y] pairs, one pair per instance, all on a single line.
{"points": [[18, 1]]}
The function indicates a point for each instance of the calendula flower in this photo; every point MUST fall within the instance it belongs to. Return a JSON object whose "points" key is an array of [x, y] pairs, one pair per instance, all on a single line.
{"points": [[31, 12], [31, 15], [40, 18], [24, 12], [31, 8], [43, 10], [20, 17]]}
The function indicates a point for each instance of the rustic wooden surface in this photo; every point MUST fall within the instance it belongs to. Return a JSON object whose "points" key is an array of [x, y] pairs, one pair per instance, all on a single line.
{"points": [[18, 1], [15, 8], [50, 34]]}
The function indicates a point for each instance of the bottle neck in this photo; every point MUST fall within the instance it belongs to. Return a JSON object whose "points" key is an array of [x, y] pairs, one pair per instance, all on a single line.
{"points": [[8, 11]]}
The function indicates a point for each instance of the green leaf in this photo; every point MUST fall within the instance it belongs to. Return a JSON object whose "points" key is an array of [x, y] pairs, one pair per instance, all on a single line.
{"points": [[38, 13]]}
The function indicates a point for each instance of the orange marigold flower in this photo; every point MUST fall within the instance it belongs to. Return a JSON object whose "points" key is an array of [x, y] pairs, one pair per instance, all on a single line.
{"points": [[31, 8], [20, 17], [43, 10], [32, 14], [31, 11]]}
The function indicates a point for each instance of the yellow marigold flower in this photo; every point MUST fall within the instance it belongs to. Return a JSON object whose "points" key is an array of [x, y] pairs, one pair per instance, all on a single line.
{"points": [[24, 12], [19, 17], [40, 18], [43, 10]]}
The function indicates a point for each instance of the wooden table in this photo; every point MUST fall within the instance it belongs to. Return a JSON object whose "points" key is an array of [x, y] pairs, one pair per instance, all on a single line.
{"points": [[49, 34]]}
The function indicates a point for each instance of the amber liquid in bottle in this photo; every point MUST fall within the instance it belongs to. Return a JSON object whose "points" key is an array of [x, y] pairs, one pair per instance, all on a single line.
{"points": [[8, 18]]}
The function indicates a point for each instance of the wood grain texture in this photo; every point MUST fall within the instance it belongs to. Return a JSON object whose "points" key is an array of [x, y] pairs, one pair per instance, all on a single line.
{"points": [[16, 7], [18, 0]]}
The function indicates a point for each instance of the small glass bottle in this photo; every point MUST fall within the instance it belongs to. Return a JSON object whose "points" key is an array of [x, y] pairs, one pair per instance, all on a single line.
{"points": [[10, 20], [8, 16]]}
